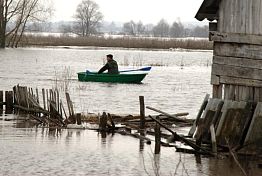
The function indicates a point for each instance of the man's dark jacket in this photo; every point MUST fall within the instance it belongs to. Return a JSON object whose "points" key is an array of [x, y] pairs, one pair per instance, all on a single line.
{"points": [[111, 66]]}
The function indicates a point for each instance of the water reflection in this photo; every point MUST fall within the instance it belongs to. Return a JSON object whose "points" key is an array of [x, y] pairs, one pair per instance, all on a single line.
{"points": [[84, 152]]}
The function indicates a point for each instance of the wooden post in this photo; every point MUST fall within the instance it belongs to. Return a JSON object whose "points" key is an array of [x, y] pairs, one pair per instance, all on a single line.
{"points": [[43, 93], [32, 92], [25, 92], [142, 112], [68, 103], [103, 122], [57, 100], [51, 95], [78, 119], [157, 137], [14, 94], [47, 100], [54, 98], [37, 95], [62, 107], [213, 139], [9, 99], [111, 121], [15, 98], [1, 102]]}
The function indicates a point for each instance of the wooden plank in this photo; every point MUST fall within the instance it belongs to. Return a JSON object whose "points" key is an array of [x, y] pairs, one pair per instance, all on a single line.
{"points": [[259, 21], [215, 80], [232, 27], [238, 62], [70, 105], [103, 122], [245, 93], [37, 95], [209, 115], [233, 121], [238, 50], [44, 100], [217, 91], [256, 94], [26, 94], [220, 22], [229, 92], [240, 81], [226, 92], [260, 94], [238, 72], [213, 139], [237, 93], [237, 20], [157, 137], [142, 112], [62, 107], [1, 101], [227, 16], [9, 99], [58, 100], [202, 108], [249, 19], [256, 17], [242, 16], [78, 119], [166, 114], [254, 133], [47, 100]]}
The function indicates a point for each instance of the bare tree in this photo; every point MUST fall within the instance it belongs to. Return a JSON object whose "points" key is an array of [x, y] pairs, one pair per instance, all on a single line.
{"points": [[20, 12], [88, 18], [133, 28], [130, 28], [161, 29], [140, 28], [177, 30]]}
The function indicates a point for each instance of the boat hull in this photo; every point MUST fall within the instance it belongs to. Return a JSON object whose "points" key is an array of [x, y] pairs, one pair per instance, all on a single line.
{"points": [[111, 78]]}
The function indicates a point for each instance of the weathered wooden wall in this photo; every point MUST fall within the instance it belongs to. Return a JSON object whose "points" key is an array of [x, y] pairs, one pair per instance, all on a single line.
{"points": [[240, 16], [237, 61]]}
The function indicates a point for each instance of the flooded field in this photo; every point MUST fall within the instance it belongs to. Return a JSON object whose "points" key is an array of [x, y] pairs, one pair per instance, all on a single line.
{"points": [[169, 86], [178, 83]]}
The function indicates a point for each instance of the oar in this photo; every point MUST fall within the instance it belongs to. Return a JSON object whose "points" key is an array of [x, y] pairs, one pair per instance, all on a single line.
{"points": [[141, 69]]}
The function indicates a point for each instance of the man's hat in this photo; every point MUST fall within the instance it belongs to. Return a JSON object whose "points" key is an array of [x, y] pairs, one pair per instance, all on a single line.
{"points": [[110, 56]]}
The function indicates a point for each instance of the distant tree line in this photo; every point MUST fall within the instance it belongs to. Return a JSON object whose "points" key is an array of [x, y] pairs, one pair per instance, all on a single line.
{"points": [[88, 21], [163, 29], [20, 16]]}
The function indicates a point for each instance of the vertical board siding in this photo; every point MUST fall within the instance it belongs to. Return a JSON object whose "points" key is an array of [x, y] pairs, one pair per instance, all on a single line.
{"points": [[240, 16], [221, 16]]}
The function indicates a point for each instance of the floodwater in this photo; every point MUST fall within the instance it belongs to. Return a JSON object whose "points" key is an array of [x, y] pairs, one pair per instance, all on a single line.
{"points": [[178, 84], [169, 87]]}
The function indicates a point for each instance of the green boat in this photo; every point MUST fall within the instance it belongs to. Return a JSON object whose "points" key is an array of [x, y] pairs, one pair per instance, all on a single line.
{"points": [[127, 76]]}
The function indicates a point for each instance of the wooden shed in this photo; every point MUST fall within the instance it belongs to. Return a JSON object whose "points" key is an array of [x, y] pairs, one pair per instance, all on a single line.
{"points": [[236, 30], [235, 110]]}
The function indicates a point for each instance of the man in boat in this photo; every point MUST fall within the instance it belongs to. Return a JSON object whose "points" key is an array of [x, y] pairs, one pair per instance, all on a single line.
{"points": [[111, 65]]}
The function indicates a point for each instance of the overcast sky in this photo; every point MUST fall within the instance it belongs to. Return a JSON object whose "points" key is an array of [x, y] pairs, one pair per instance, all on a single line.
{"points": [[148, 11]]}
